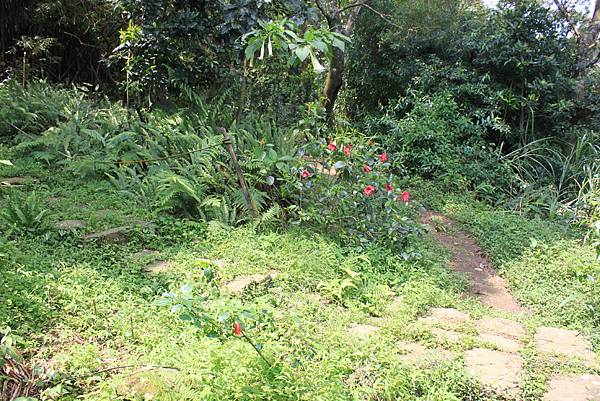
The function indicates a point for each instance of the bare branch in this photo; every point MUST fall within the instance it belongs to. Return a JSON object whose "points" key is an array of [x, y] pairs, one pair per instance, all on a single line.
{"points": [[358, 4], [383, 16]]}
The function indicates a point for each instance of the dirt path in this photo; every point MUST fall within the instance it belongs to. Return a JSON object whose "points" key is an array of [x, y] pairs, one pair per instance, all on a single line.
{"points": [[468, 257]]}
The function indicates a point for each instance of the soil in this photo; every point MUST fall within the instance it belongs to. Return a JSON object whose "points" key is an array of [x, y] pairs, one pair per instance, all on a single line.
{"points": [[468, 258]]}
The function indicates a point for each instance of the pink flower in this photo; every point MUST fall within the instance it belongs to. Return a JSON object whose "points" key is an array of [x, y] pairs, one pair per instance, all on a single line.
{"points": [[367, 169], [369, 190], [331, 147], [237, 329], [347, 149], [383, 157], [388, 187], [304, 174], [405, 196]]}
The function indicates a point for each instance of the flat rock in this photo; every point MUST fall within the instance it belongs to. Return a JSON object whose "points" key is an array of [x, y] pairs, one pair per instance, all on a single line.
{"points": [[117, 234], [15, 180], [449, 336], [69, 224], [111, 235], [574, 388], [567, 343], [504, 327], [362, 330], [499, 371], [143, 253], [159, 266], [414, 353], [445, 316], [501, 342], [238, 285]]}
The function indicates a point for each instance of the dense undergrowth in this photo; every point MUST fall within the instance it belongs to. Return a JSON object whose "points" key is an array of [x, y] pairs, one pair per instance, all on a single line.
{"points": [[85, 307], [206, 143]]}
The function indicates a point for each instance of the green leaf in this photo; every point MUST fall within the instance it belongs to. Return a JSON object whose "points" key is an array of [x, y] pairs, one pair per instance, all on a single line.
{"points": [[302, 53]]}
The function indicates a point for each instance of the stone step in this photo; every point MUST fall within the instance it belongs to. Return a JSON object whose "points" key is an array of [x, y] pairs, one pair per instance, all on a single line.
{"points": [[573, 388], [566, 343], [499, 371]]}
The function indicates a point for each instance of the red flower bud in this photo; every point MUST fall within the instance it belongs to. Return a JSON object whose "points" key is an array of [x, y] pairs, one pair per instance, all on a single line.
{"points": [[347, 149], [366, 168], [388, 187], [383, 157], [405, 196], [331, 147], [369, 190], [237, 329], [304, 174]]}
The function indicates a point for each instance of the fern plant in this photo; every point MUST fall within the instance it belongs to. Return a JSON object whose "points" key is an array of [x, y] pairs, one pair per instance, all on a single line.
{"points": [[23, 215]]}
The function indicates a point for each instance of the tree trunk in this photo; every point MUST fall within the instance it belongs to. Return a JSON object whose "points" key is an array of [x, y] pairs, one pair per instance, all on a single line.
{"points": [[589, 46], [335, 74], [333, 82]]}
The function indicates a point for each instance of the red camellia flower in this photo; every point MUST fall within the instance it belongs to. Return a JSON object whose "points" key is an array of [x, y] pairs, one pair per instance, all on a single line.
{"points": [[331, 147], [383, 157], [369, 190], [347, 149], [405, 196], [237, 329], [388, 187], [305, 174], [367, 169]]}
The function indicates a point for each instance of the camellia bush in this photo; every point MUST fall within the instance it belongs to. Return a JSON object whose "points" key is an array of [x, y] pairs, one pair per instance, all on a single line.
{"points": [[348, 187]]}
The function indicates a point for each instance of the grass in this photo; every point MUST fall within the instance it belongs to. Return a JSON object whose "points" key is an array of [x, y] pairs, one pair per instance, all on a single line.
{"points": [[80, 308]]}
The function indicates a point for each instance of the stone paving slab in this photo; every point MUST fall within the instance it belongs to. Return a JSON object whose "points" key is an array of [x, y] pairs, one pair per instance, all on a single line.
{"points": [[15, 180], [569, 343], [502, 343], [238, 285], [69, 224], [574, 388], [449, 336], [362, 330], [499, 371], [160, 266], [417, 354], [143, 252], [500, 326], [444, 316]]}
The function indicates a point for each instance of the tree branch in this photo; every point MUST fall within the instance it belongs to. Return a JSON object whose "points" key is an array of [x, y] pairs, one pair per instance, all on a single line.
{"points": [[561, 7], [383, 16], [358, 4], [352, 19], [321, 8]]}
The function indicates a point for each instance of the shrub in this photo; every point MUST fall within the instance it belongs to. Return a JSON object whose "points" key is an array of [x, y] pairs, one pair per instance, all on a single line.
{"points": [[435, 140], [348, 187]]}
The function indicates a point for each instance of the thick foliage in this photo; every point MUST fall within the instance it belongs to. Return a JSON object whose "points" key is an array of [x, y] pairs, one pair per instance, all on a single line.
{"points": [[348, 187], [435, 140]]}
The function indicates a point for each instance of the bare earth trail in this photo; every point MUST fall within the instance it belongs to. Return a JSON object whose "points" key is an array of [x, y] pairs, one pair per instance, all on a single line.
{"points": [[468, 258]]}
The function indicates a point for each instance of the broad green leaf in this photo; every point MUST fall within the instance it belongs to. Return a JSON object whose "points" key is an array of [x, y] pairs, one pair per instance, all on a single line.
{"points": [[302, 53]]}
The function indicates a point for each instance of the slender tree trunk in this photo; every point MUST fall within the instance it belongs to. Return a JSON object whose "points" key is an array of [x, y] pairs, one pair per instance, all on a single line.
{"points": [[335, 74], [333, 82]]}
